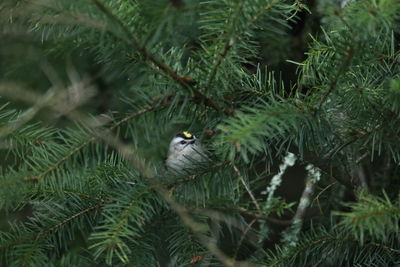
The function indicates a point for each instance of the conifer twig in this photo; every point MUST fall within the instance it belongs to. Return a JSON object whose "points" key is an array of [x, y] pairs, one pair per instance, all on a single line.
{"points": [[384, 246], [319, 194], [76, 215], [90, 140], [328, 168], [220, 58], [230, 42], [333, 83], [324, 162], [197, 95], [247, 188], [243, 236], [79, 194], [341, 146], [323, 258], [270, 219], [259, 14], [61, 161], [218, 215], [77, 17]]}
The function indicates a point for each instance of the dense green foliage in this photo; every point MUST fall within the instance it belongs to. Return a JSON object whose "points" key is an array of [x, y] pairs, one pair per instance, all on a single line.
{"points": [[304, 147]]}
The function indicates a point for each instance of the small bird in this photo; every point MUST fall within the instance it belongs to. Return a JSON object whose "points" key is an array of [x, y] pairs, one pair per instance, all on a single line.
{"points": [[184, 151]]}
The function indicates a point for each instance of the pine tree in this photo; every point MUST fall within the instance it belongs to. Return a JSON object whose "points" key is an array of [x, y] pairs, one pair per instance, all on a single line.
{"points": [[92, 92]]}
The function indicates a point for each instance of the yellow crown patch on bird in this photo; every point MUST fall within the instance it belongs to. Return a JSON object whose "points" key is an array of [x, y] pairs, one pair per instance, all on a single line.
{"points": [[187, 134]]}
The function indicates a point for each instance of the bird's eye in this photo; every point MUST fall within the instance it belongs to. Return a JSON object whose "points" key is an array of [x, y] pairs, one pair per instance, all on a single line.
{"points": [[183, 142]]}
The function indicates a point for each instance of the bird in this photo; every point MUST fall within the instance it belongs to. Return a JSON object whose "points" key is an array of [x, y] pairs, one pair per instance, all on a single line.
{"points": [[185, 150]]}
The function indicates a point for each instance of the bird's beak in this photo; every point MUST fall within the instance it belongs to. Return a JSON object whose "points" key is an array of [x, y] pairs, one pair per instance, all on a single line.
{"points": [[190, 143]]}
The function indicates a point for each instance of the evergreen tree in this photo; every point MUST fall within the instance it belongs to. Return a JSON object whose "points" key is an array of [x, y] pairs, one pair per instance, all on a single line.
{"points": [[298, 105]]}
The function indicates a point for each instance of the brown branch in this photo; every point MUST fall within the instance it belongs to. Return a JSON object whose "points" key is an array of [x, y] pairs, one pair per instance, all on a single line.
{"points": [[105, 201], [330, 238], [99, 205], [324, 257], [324, 163], [354, 240], [244, 234], [82, 212], [332, 85], [319, 194], [362, 157], [221, 56], [247, 188], [329, 169], [259, 14], [220, 215], [384, 246], [230, 42], [375, 213], [341, 146], [60, 162], [182, 80], [243, 211]]}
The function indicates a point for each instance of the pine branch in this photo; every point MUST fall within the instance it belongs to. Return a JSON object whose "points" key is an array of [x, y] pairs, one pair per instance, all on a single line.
{"points": [[371, 215], [196, 95], [44, 234], [76, 215], [343, 145], [221, 56], [78, 19], [329, 168], [92, 139], [325, 162], [125, 204], [36, 178], [270, 219], [243, 236], [232, 36], [384, 247], [247, 188], [336, 240], [333, 83], [105, 201]]}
